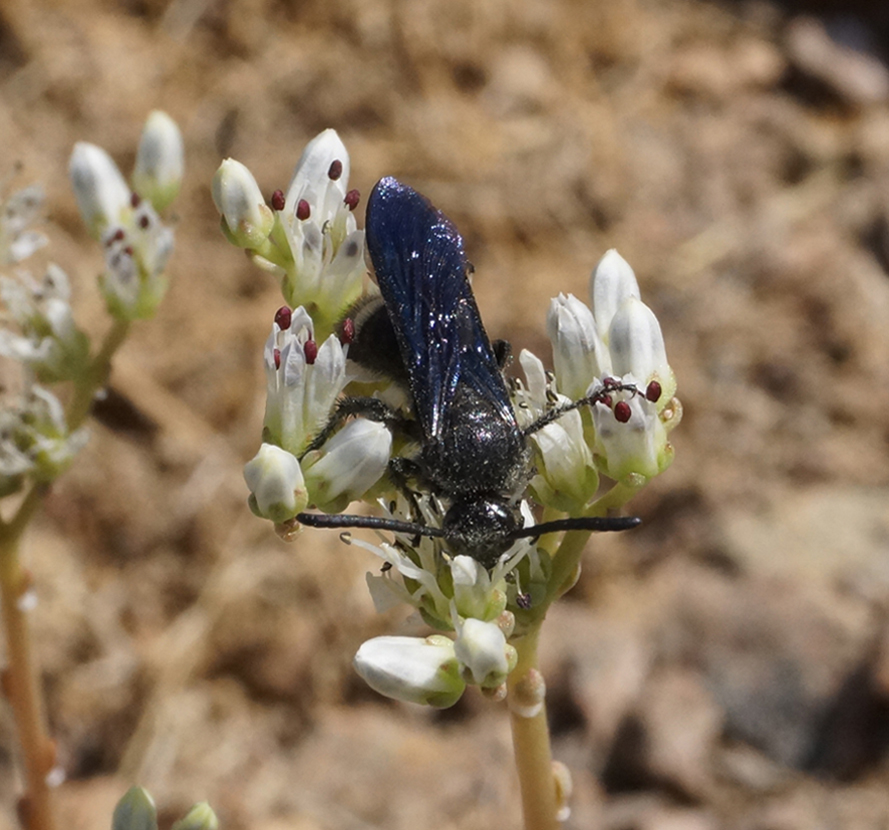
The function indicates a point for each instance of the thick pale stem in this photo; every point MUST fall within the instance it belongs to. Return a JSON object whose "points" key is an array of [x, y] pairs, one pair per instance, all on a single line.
{"points": [[21, 684], [530, 737]]}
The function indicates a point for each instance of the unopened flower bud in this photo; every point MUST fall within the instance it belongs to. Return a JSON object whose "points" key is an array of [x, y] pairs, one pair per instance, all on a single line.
{"points": [[578, 352], [412, 669], [160, 161], [349, 464], [246, 219], [135, 811], [612, 282], [199, 817], [101, 191], [482, 649], [277, 489]]}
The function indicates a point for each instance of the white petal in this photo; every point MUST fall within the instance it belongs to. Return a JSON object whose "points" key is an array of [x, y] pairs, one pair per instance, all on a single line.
{"points": [[612, 282]]}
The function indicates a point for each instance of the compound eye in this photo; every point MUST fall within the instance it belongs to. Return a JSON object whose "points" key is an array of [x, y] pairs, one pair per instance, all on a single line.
{"points": [[480, 528]]}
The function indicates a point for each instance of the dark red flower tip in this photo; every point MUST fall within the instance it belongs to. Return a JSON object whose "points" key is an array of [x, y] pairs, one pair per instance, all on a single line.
{"points": [[277, 355], [135, 199], [303, 210], [128, 250], [348, 332], [283, 316], [144, 222], [653, 391], [278, 200], [353, 197], [311, 351], [335, 170], [622, 411]]}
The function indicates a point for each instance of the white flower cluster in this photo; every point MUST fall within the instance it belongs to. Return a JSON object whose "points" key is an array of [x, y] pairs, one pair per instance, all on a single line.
{"points": [[137, 244], [605, 411], [39, 332]]}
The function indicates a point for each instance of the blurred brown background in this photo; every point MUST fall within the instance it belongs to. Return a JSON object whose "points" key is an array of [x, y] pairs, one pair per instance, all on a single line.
{"points": [[726, 666]]}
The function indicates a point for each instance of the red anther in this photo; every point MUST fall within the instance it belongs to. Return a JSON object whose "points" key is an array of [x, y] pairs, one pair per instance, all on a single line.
{"points": [[128, 250], [610, 383], [348, 333], [353, 197], [118, 235], [277, 356], [653, 391], [278, 200], [303, 210], [622, 411], [135, 200], [335, 170], [283, 317], [144, 222], [607, 400], [311, 351]]}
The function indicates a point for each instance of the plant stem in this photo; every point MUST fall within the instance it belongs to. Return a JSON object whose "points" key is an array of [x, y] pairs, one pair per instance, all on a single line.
{"points": [[23, 690], [20, 677], [530, 738], [96, 375]]}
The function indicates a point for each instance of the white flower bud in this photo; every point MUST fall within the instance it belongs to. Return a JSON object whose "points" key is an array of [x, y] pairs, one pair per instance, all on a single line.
{"points": [[612, 282], [412, 669], [482, 650], [160, 161], [101, 191], [578, 352], [277, 488], [247, 219], [348, 465], [637, 347]]}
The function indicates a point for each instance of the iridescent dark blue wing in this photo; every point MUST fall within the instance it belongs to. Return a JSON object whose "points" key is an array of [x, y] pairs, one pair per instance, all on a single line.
{"points": [[418, 258]]}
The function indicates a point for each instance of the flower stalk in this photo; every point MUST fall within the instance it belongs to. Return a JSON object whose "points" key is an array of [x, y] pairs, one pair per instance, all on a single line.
{"points": [[530, 737]]}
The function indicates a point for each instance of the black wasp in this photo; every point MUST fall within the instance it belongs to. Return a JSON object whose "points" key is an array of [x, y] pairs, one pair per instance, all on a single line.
{"points": [[472, 452]]}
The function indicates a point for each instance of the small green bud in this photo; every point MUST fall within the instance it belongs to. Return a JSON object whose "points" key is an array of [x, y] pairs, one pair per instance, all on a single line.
{"points": [[199, 817], [135, 811]]}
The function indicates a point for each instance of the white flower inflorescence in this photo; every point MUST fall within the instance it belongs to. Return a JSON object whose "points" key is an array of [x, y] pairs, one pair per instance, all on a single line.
{"points": [[38, 330], [605, 411]]}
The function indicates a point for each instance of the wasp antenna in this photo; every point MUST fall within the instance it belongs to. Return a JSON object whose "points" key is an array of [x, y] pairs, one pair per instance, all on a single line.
{"points": [[342, 520], [599, 523]]}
